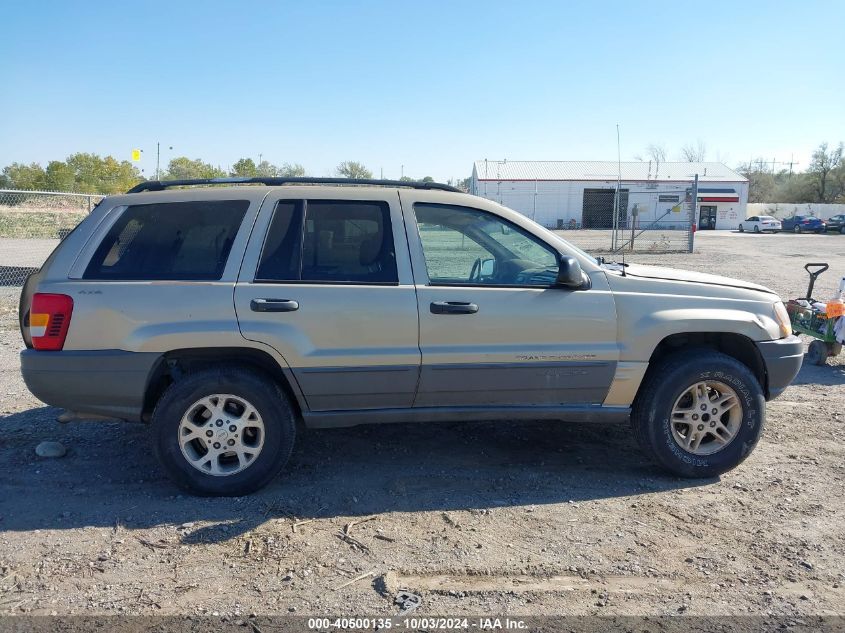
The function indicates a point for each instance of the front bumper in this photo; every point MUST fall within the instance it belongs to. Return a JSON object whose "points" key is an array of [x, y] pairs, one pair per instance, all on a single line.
{"points": [[110, 383], [782, 359]]}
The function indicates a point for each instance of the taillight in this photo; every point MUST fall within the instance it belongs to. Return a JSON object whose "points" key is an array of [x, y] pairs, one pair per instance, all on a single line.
{"points": [[49, 319]]}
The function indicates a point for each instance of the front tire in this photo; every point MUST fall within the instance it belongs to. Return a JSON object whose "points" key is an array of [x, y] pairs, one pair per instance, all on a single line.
{"points": [[817, 353], [796, 229], [699, 414], [741, 229], [223, 432]]}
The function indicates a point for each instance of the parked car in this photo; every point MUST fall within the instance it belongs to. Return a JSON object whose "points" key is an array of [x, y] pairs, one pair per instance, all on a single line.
{"points": [[803, 224], [835, 223], [228, 317], [759, 224]]}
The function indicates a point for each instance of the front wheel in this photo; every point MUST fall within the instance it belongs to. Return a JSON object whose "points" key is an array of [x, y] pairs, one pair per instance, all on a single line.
{"points": [[796, 229], [741, 229], [817, 353], [223, 432], [699, 415]]}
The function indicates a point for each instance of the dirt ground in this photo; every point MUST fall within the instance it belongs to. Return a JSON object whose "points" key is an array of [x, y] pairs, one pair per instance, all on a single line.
{"points": [[503, 518]]}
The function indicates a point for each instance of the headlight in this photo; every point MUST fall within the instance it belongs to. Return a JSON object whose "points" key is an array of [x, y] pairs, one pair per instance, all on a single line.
{"points": [[782, 317]]}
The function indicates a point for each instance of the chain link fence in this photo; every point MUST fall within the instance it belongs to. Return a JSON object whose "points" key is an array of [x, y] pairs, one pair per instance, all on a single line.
{"points": [[649, 217], [31, 225]]}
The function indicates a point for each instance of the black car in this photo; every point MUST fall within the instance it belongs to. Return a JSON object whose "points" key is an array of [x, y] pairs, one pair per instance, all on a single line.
{"points": [[836, 223]]}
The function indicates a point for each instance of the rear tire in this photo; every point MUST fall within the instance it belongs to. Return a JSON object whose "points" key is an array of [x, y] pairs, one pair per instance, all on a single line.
{"points": [[756, 229], [219, 408], [661, 400]]}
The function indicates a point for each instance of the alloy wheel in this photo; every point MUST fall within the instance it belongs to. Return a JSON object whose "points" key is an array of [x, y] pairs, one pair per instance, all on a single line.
{"points": [[706, 417], [221, 434]]}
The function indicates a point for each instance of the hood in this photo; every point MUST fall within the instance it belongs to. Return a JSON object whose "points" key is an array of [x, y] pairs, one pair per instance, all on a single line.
{"points": [[674, 274]]}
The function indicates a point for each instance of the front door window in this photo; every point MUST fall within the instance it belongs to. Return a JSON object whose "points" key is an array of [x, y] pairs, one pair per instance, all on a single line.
{"points": [[464, 246]]}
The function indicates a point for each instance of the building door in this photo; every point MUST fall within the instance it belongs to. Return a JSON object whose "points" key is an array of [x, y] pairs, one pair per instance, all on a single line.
{"points": [[598, 206], [707, 218]]}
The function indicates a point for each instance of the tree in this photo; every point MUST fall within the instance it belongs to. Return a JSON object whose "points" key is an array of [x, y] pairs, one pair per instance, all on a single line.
{"points": [[694, 153], [244, 168], [826, 173], [292, 170], [60, 176], [654, 152], [427, 179], [286, 170], [20, 176], [182, 168], [353, 169]]}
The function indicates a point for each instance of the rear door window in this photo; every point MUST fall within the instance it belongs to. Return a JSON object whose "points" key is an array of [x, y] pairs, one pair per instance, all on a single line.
{"points": [[169, 241], [329, 241]]}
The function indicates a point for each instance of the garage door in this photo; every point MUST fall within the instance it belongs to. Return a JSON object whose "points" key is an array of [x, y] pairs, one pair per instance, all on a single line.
{"points": [[598, 208]]}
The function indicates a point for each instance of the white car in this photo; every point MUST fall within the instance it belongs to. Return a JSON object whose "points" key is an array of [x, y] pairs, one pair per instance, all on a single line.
{"points": [[760, 223]]}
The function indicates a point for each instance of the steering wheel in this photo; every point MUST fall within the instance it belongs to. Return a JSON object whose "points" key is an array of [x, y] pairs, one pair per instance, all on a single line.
{"points": [[475, 273]]}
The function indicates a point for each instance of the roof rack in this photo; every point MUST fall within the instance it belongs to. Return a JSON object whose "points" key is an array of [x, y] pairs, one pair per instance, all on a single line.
{"points": [[161, 185]]}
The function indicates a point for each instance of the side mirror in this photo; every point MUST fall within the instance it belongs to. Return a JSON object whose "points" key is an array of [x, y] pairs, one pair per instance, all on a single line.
{"points": [[569, 273], [488, 267]]}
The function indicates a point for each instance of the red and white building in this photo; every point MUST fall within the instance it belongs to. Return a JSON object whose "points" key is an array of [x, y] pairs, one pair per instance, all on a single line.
{"points": [[560, 194]]}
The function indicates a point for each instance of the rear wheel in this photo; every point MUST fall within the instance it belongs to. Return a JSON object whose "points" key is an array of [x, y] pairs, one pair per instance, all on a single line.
{"points": [[223, 432], [842, 230], [699, 415], [756, 229]]}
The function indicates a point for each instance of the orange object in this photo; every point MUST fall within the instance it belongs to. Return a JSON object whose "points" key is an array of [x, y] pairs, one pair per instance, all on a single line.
{"points": [[835, 308]]}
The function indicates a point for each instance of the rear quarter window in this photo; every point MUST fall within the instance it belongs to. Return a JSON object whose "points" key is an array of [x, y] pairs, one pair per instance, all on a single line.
{"points": [[169, 241]]}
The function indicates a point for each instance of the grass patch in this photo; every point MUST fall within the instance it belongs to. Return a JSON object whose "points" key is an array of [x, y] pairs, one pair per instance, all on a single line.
{"points": [[45, 225]]}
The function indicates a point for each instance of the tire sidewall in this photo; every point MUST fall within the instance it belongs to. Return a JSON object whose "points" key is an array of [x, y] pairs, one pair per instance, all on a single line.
{"points": [[271, 405], [753, 402]]}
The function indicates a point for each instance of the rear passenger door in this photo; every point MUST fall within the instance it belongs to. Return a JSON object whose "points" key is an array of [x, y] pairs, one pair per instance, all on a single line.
{"points": [[326, 281]]}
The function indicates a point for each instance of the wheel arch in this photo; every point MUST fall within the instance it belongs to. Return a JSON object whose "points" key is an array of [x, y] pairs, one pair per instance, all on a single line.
{"points": [[175, 363], [737, 346]]}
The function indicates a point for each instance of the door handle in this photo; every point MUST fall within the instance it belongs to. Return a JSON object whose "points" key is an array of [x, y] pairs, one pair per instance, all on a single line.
{"points": [[273, 305], [453, 307]]}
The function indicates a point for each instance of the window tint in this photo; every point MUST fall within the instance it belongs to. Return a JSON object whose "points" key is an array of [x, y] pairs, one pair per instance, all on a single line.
{"points": [[343, 241], [175, 240], [467, 246], [348, 241], [280, 256]]}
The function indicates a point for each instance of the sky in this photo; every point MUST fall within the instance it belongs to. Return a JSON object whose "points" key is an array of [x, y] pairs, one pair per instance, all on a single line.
{"points": [[419, 88]]}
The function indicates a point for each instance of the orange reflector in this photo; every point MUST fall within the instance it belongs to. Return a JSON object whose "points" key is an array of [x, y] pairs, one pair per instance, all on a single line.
{"points": [[39, 320]]}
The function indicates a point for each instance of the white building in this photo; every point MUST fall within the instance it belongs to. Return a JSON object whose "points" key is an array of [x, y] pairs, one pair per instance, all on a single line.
{"points": [[562, 194]]}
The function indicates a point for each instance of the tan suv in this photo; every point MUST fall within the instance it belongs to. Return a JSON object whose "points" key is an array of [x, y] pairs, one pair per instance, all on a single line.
{"points": [[226, 315]]}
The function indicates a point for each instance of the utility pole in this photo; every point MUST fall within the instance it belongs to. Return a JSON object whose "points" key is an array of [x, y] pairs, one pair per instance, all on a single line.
{"points": [[693, 214], [158, 159]]}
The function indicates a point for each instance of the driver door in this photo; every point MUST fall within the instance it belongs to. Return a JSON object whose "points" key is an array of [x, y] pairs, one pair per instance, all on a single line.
{"points": [[494, 329]]}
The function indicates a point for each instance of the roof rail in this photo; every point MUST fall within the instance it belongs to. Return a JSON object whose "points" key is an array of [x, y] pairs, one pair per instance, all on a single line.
{"points": [[161, 185]]}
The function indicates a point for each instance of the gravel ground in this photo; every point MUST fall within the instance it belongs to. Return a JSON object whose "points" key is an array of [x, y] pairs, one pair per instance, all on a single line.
{"points": [[521, 518]]}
